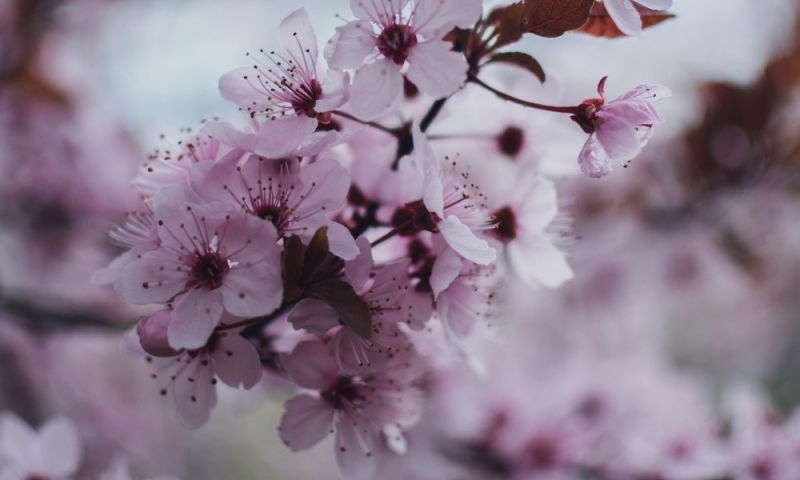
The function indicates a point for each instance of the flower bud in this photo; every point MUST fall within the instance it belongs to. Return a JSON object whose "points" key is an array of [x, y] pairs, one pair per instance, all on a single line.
{"points": [[152, 333]]}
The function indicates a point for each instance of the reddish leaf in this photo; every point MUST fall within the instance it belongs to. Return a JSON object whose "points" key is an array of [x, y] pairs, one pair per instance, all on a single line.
{"points": [[551, 18], [521, 60], [353, 310], [507, 22], [600, 23], [316, 252], [292, 263]]}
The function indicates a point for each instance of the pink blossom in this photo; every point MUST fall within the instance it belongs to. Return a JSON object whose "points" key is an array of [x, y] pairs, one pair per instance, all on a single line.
{"points": [[295, 199], [390, 34], [210, 259], [625, 15], [618, 129], [53, 452], [522, 220], [286, 89], [392, 300], [450, 203], [364, 411], [190, 376]]}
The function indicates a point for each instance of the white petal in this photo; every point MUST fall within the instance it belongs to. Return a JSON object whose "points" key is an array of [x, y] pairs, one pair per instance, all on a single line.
{"points": [[350, 45], [296, 37], [625, 16], [463, 240], [537, 261], [437, 70], [194, 317], [60, 447], [377, 86], [445, 269], [435, 18]]}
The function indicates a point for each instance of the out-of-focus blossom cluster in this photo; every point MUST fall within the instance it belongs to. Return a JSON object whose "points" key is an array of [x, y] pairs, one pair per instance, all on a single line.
{"points": [[376, 233]]}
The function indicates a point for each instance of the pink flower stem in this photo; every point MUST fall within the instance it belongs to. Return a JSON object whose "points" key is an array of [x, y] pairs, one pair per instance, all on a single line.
{"points": [[525, 103]]}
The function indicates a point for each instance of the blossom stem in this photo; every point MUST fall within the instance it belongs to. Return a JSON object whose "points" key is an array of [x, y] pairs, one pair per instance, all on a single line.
{"points": [[525, 103], [391, 131]]}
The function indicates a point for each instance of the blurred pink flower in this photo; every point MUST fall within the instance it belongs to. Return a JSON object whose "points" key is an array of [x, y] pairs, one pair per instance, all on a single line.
{"points": [[384, 39], [53, 452]]}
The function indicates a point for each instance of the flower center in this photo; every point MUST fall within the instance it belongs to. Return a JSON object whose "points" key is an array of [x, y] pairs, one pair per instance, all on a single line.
{"points": [[505, 224], [511, 140], [305, 97], [272, 213], [342, 393], [542, 453], [208, 271], [396, 42]]}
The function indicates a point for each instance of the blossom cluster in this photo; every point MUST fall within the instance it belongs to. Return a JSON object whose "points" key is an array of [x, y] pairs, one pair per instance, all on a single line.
{"points": [[296, 242]]}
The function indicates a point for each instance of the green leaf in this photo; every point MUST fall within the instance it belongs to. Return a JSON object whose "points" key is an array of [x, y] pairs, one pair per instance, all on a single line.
{"points": [[521, 60]]}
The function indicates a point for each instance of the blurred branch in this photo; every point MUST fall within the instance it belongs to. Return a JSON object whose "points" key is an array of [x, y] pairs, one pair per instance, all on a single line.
{"points": [[43, 315]]}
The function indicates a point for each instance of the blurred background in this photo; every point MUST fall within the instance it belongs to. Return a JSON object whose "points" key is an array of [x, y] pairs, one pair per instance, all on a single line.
{"points": [[687, 262]]}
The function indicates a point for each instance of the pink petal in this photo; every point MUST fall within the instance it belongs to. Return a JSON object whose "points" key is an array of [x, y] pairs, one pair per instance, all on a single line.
{"points": [[275, 138], [437, 70], [381, 11], [311, 365], [445, 269], [152, 278], [463, 240], [594, 161], [194, 392], [354, 450], [350, 45], [306, 420], [297, 38], [618, 138], [194, 317], [357, 270], [60, 447], [435, 18], [625, 16], [648, 92], [427, 161], [236, 361], [254, 290], [538, 203], [325, 187], [313, 316], [237, 86], [378, 85], [336, 91], [109, 274], [537, 261], [633, 112], [341, 241]]}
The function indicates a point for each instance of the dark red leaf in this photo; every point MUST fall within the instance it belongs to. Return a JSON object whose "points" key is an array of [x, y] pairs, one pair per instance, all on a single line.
{"points": [[316, 252], [353, 310], [600, 23], [292, 264], [551, 18], [521, 60]]}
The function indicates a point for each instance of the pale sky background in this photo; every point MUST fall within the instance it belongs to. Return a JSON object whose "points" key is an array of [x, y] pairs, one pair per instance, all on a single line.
{"points": [[158, 61]]}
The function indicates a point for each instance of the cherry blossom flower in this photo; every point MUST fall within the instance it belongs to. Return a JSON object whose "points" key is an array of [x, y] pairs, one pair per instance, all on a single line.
{"points": [[625, 15], [53, 452], [522, 220], [449, 204], [295, 199], [285, 88], [392, 300], [363, 410], [191, 376], [618, 129], [210, 259], [390, 34]]}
